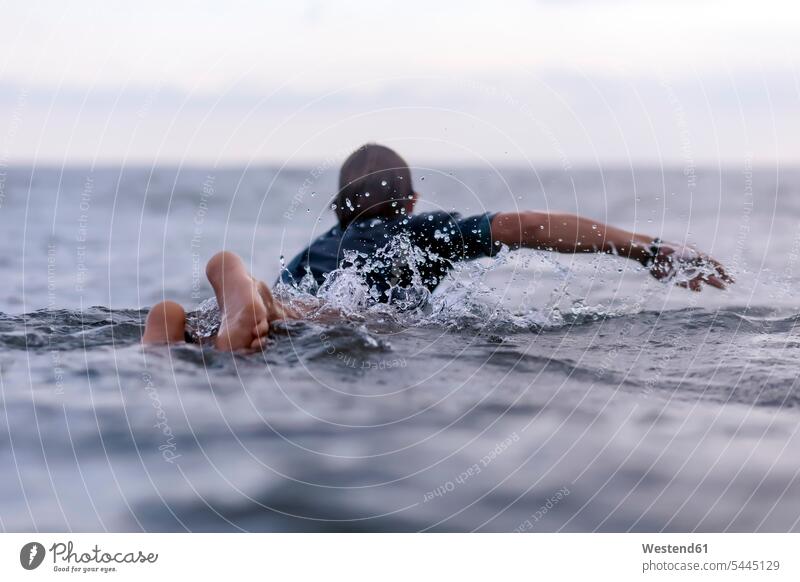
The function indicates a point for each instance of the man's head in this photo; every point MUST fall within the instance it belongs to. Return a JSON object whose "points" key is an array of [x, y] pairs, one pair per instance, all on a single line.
{"points": [[373, 182]]}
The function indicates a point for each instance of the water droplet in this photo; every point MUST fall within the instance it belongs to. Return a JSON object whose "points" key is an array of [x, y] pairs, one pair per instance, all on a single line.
{"points": [[366, 194], [383, 182]]}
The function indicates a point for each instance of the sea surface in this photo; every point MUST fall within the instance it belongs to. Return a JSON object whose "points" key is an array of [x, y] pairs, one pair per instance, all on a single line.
{"points": [[531, 392]]}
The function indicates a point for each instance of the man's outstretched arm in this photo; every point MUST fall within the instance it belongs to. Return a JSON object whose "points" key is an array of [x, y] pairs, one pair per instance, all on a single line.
{"points": [[568, 233]]}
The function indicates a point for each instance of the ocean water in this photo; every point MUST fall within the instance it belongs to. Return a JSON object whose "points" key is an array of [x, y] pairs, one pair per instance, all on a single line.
{"points": [[532, 392]]}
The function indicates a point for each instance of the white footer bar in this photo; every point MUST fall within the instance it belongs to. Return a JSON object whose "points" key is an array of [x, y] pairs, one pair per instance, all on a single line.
{"points": [[401, 557]]}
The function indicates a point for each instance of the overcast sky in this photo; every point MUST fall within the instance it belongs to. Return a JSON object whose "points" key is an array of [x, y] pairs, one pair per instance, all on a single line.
{"points": [[551, 82]]}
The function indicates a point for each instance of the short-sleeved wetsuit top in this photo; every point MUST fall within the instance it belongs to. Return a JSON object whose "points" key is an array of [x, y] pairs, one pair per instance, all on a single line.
{"points": [[438, 239]]}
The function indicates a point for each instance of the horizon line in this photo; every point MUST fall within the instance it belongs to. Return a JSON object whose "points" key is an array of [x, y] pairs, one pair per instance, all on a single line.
{"points": [[462, 164]]}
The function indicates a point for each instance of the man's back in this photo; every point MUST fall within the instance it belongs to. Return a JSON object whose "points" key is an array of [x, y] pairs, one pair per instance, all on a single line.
{"points": [[379, 247]]}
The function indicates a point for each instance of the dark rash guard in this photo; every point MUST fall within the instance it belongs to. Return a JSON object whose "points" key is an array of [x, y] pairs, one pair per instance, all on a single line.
{"points": [[442, 239]]}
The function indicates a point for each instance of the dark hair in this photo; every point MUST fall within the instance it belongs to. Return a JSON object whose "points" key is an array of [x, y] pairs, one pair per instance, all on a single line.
{"points": [[373, 182]]}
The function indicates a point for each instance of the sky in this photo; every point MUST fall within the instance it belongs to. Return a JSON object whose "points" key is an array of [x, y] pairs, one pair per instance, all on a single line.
{"points": [[562, 83]]}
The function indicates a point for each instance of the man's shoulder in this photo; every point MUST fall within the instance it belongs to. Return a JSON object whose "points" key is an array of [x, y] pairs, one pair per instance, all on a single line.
{"points": [[438, 217], [456, 237], [441, 218]]}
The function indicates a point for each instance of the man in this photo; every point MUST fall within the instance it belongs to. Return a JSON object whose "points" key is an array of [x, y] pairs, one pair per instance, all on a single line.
{"points": [[396, 250]]}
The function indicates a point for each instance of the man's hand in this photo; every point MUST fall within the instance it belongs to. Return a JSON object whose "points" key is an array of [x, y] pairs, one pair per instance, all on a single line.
{"points": [[686, 267]]}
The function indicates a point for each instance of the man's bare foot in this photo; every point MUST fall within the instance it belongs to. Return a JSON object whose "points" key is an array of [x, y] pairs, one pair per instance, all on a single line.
{"points": [[166, 324], [247, 307], [244, 323], [243, 313]]}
